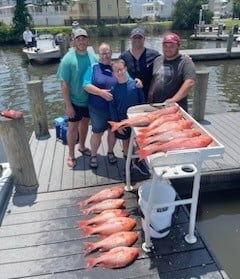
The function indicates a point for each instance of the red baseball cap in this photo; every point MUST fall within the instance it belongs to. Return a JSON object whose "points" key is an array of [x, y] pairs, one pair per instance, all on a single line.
{"points": [[171, 38]]}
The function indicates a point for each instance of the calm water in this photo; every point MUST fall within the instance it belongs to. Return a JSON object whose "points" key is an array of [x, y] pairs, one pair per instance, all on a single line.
{"points": [[218, 213]]}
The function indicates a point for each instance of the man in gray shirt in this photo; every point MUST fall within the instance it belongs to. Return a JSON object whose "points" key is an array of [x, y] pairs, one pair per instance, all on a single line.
{"points": [[174, 74]]}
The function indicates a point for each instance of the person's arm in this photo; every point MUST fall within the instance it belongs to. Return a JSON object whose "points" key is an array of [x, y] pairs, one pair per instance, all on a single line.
{"points": [[104, 93], [92, 89], [66, 97], [182, 91]]}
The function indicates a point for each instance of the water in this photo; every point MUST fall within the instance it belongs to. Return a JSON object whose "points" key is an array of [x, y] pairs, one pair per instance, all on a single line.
{"points": [[219, 212]]}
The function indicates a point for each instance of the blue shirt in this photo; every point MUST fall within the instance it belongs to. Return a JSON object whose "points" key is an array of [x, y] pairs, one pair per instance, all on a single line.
{"points": [[101, 76], [125, 95]]}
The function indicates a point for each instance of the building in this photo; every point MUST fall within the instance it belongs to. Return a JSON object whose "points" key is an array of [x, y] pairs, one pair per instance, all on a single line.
{"points": [[81, 10], [152, 9]]}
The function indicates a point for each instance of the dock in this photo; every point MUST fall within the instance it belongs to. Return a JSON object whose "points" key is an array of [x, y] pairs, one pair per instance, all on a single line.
{"points": [[39, 237]]}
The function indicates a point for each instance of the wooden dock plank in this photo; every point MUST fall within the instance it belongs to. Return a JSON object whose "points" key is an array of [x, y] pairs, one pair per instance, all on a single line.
{"points": [[39, 237], [39, 240]]}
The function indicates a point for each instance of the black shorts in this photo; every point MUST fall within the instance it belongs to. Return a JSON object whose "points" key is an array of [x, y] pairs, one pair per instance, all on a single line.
{"points": [[126, 135], [80, 113]]}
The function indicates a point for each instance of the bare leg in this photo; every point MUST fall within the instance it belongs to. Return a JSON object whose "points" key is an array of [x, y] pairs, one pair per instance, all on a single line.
{"points": [[83, 130], [72, 137], [125, 147], [111, 141], [95, 142]]}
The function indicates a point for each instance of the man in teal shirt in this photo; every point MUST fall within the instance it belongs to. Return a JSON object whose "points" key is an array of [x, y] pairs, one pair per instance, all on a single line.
{"points": [[70, 72]]}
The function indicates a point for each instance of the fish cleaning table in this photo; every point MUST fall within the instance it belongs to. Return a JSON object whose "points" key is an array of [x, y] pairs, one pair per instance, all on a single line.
{"points": [[172, 164]]}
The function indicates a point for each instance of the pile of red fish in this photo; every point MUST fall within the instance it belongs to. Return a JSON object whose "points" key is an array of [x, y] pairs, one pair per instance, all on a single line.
{"points": [[113, 225], [164, 130]]}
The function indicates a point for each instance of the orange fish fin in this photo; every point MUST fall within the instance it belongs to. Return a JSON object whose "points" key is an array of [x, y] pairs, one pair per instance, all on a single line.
{"points": [[114, 125], [91, 262]]}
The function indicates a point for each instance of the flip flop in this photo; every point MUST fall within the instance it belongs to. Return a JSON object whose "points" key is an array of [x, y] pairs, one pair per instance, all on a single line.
{"points": [[71, 163], [93, 163], [111, 158], [85, 152]]}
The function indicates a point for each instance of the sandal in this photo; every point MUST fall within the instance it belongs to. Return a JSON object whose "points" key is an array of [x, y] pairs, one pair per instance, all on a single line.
{"points": [[111, 158], [85, 152], [71, 163], [93, 163]]}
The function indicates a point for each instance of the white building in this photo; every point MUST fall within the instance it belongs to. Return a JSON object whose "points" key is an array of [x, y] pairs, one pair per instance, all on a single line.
{"points": [[153, 9]]}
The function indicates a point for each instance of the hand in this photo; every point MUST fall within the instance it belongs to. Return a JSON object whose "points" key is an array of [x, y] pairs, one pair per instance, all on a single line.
{"points": [[138, 83], [105, 94], [70, 112]]}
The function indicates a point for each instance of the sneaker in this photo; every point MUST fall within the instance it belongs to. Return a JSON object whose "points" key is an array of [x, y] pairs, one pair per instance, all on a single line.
{"points": [[140, 167]]}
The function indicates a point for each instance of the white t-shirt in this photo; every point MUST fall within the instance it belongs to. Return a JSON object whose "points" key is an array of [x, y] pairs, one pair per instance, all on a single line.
{"points": [[27, 36]]}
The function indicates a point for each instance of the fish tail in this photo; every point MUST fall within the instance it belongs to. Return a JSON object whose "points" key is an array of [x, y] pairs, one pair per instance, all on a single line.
{"points": [[82, 223], [87, 230], [89, 247], [143, 153], [91, 262], [114, 125]]}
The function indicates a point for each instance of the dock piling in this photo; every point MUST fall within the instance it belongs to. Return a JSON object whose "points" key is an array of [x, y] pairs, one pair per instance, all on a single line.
{"points": [[200, 95], [35, 92], [18, 153]]}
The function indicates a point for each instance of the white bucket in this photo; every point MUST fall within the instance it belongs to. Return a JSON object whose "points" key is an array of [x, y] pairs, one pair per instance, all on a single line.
{"points": [[160, 218]]}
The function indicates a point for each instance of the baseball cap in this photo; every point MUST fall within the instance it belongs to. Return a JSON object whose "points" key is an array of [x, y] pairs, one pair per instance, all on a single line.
{"points": [[171, 38], [137, 31], [80, 32]]}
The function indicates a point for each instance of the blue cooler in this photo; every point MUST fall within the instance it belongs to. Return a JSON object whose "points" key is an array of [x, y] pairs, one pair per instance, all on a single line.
{"points": [[61, 126]]}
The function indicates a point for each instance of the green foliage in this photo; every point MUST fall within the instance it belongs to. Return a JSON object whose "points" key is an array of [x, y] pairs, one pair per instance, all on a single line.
{"points": [[236, 9], [21, 20], [186, 14]]}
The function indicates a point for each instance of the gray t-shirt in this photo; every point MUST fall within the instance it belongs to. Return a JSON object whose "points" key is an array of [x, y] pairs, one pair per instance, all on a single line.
{"points": [[169, 75]]}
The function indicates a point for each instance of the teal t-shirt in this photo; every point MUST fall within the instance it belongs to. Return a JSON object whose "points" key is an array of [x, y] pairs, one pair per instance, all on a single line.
{"points": [[71, 70]]}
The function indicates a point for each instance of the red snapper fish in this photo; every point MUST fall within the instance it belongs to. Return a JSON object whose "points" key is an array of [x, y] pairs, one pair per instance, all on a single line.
{"points": [[12, 114], [143, 119], [103, 216], [115, 258], [103, 205], [113, 225], [115, 240], [109, 193], [175, 144], [170, 125], [162, 119], [168, 136]]}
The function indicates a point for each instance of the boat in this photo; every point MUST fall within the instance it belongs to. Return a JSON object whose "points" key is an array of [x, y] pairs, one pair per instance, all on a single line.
{"points": [[45, 50]]}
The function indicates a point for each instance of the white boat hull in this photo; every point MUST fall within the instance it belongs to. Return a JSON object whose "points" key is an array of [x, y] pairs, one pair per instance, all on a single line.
{"points": [[45, 49], [42, 55]]}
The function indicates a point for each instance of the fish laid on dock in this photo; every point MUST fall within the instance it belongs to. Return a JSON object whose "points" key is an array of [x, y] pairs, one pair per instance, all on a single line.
{"points": [[104, 216], [109, 193], [125, 238], [103, 205], [115, 258], [113, 225]]}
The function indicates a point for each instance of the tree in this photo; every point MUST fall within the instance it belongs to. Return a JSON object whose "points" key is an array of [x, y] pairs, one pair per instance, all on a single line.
{"points": [[236, 9], [186, 14], [21, 19]]}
